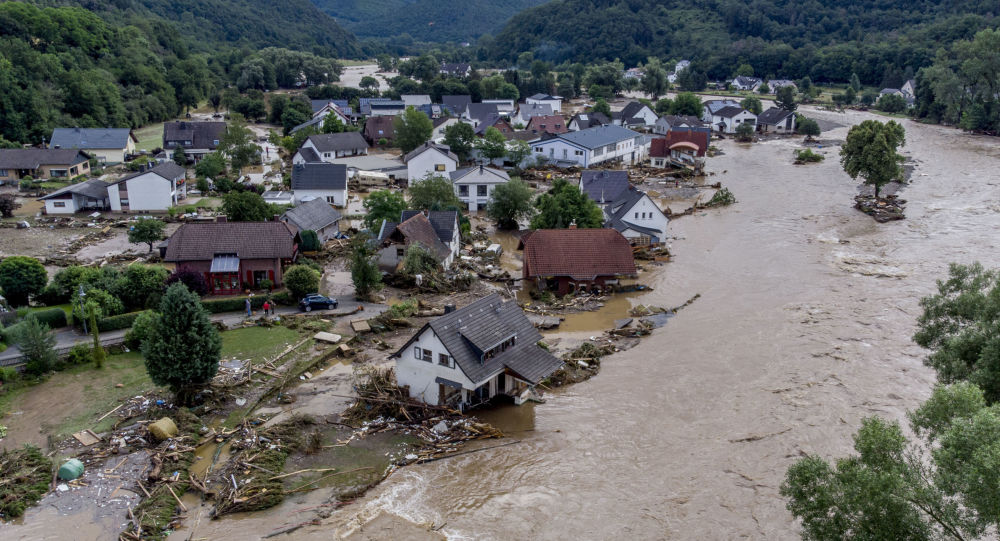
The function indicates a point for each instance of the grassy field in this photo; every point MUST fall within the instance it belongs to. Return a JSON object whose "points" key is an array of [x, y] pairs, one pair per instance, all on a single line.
{"points": [[258, 344], [149, 137], [207, 203]]}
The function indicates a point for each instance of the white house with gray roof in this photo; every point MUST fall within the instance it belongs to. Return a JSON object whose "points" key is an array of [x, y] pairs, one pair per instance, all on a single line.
{"points": [[326, 181], [471, 355], [154, 189], [108, 145], [474, 185], [314, 215], [528, 110], [429, 159], [555, 102], [586, 148], [330, 146]]}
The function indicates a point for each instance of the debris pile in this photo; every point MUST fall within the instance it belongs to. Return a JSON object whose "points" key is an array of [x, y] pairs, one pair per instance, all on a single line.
{"points": [[24, 478], [881, 209], [581, 364], [380, 398]]}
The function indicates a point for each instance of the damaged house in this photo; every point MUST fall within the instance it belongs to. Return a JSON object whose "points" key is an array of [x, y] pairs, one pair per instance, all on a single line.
{"points": [[573, 260], [626, 209], [437, 231], [472, 355]]}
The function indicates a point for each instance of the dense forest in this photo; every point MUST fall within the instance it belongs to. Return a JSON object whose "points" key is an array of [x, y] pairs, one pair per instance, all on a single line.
{"points": [[827, 41], [424, 20]]}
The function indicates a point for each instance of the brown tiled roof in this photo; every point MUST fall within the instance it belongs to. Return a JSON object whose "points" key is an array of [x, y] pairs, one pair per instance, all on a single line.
{"points": [[581, 254], [248, 240], [547, 124], [419, 229], [376, 123], [660, 147]]}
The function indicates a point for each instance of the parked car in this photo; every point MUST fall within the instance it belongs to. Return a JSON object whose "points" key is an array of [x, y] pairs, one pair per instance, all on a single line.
{"points": [[315, 300]]}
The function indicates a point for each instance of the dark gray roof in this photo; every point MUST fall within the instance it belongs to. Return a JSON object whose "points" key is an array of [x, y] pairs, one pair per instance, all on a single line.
{"points": [[774, 115], [314, 214], [631, 109], [90, 137], [599, 136], [747, 81], [729, 111], [167, 170], [541, 96], [481, 111], [534, 109], [203, 135], [487, 320], [319, 176], [618, 213], [386, 230], [490, 121], [444, 222], [309, 155], [32, 158], [93, 188], [319, 104], [331, 142], [315, 121], [444, 149], [604, 186], [715, 105], [682, 120], [590, 120], [457, 103], [459, 68]]}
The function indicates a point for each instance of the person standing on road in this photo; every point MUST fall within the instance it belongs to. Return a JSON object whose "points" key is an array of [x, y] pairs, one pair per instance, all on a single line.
{"points": [[266, 306], [249, 312]]}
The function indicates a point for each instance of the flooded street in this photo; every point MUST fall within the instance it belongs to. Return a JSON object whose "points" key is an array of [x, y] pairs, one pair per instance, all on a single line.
{"points": [[802, 329]]}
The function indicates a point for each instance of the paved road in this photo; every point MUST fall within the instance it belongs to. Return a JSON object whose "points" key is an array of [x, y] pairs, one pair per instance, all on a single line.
{"points": [[69, 337]]}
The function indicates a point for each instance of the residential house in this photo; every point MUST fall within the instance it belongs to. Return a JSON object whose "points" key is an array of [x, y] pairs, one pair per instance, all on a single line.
{"points": [[680, 149], [776, 120], [89, 195], [474, 185], [314, 215], [626, 210], [306, 155], [635, 114], [909, 88], [42, 163], [582, 121], [528, 110], [727, 119], [750, 84], [777, 84], [232, 256], [278, 197], [910, 98], [892, 91], [577, 260], [318, 105], [380, 107], [669, 123], [554, 102], [435, 110], [554, 124], [457, 103], [319, 117], [494, 121], [196, 138], [635, 73], [415, 100], [154, 189], [586, 148], [429, 159], [476, 353], [478, 112], [440, 125], [458, 69], [320, 180], [330, 146], [710, 107], [378, 128], [438, 232], [504, 107], [108, 145]]}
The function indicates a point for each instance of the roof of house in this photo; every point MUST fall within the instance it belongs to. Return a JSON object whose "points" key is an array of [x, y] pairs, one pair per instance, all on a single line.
{"points": [[384, 123], [458, 103], [332, 142], [167, 170], [486, 323], [416, 99], [480, 111], [444, 222], [534, 109], [459, 67], [429, 145], [681, 120], [598, 136], [581, 254], [93, 188], [319, 104], [778, 83], [548, 124], [309, 155], [715, 105], [546, 97], [618, 211], [730, 111], [602, 185], [479, 174], [91, 137], [490, 121], [418, 229], [660, 147], [314, 121], [319, 176], [631, 109], [248, 240], [589, 120], [890, 91], [747, 81], [33, 158], [201, 134], [314, 214], [774, 115]]}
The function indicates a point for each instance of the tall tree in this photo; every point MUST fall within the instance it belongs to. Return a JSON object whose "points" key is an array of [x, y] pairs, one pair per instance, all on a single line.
{"points": [[510, 203], [601, 106], [21, 277], [654, 79], [37, 345], [564, 204], [433, 193], [855, 83], [752, 104], [245, 207], [383, 206], [238, 143], [183, 348], [146, 231], [870, 152], [785, 98], [686, 103], [364, 268], [460, 137], [493, 145], [412, 129]]}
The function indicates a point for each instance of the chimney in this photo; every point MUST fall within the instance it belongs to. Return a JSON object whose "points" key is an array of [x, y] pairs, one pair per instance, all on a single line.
{"points": [[223, 219], [572, 225], [449, 308], [275, 218], [480, 169]]}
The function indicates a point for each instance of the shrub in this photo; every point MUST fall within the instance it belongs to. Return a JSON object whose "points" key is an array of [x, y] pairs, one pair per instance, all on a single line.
{"points": [[55, 318], [122, 321], [721, 198], [301, 280], [80, 354], [8, 374], [234, 304], [418, 260], [808, 156], [266, 284], [202, 185], [141, 327], [310, 241], [37, 345], [311, 264], [383, 141], [194, 281], [190, 209]]}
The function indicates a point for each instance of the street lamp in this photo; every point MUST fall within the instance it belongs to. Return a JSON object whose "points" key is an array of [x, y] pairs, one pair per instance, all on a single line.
{"points": [[83, 295]]}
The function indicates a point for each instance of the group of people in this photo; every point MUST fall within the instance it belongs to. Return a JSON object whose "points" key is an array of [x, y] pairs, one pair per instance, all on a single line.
{"points": [[268, 308]]}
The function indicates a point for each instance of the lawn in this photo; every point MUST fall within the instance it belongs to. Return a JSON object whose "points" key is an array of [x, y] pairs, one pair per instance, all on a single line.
{"points": [[258, 344], [207, 203], [52, 184], [149, 137]]}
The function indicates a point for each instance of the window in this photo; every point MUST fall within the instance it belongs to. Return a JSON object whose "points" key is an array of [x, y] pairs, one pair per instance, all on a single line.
{"points": [[463, 190], [423, 354], [399, 252], [428, 356], [444, 360], [636, 215], [124, 202], [187, 143], [481, 190], [326, 154], [3, 172], [57, 172], [439, 167], [539, 150], [331, 199], [578, 152], [215, 142], [58, 204]]}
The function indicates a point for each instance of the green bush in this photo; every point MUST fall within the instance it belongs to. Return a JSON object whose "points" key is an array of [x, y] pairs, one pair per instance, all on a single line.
{"points": [[311, 264], [121, 321], [234, 304], [80, 354], [55, 318], [284, 298], [8, 374], [266, 284], [141, 329]]}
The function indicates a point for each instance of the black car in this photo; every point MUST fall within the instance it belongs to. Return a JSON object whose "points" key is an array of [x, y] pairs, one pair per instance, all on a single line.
{"points": [[315, 300]]}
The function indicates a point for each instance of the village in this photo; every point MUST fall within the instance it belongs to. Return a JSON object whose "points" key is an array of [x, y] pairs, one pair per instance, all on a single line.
{"points": [[374, 287]]}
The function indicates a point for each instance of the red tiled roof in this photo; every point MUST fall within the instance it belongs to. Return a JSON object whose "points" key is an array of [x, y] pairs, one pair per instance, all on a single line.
{"points": [[549, 122], [660, 147], [581, 254], [248, 240]]}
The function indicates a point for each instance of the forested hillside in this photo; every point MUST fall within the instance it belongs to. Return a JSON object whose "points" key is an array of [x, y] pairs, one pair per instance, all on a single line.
{"points": [[424, 20], [826, 40]]}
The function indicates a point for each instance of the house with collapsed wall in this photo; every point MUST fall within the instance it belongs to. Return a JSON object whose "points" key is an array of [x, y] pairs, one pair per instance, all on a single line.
{"points": [[437, 231], [472, 355]]}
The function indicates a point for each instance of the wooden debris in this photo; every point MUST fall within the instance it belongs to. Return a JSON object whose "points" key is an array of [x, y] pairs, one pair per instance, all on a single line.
{"points": [[87, 437]]}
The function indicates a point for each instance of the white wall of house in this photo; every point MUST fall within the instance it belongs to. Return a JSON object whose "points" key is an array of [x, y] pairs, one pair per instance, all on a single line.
{"points": [[645, 213], [146, 192], [557, 149], [111, 155], [332, 155], [556, 105], [731, 123], [647, 115], [787, 125], [429, 162], [337, 198], [60, 206], [420, 375], [476, 191]]}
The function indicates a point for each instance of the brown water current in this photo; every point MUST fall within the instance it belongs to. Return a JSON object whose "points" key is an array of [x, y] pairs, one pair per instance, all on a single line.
{"points": [[803, 328]]}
